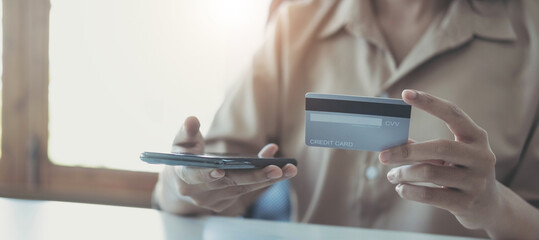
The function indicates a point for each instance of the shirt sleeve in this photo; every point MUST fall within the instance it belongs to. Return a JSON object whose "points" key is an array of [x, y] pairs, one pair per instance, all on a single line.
{"points": [[248, 118]]}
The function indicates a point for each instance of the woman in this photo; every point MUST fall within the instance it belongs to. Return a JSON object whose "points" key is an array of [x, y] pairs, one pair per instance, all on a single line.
{"points": [[474, 65]]}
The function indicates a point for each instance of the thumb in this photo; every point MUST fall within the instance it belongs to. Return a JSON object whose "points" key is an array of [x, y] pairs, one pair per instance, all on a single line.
{"points": [[189, 139], [191, 126], [268, 151]]}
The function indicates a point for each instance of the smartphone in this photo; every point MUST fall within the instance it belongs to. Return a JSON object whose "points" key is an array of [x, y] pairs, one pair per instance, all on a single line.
{"points": [[214, 160]]}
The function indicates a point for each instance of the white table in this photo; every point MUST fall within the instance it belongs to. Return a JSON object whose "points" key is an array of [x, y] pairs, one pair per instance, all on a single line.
{"points": [[30, 219]]}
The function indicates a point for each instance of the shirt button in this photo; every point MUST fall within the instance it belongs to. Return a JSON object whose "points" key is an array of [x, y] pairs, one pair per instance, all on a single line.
{"points": [[372, 172]]}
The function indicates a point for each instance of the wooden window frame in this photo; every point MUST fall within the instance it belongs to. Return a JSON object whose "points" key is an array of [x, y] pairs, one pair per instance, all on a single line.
{"points": [[25, 169]]}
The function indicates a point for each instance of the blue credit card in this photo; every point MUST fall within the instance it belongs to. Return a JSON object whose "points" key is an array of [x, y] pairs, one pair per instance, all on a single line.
{"points": [[358, 123]]}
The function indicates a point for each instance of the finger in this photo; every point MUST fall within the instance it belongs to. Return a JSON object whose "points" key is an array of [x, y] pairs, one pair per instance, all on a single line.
{"points": [[432, 161], [196, 175], [233, 179], [268, 151], [446, 150], [290, 170], [464, 128], [189, 139], [453, 177], [445, 198], [209, 197], [246, 177]]}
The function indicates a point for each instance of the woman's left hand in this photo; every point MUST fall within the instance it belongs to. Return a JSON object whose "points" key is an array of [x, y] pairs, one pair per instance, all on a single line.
{"points": [[463, 168]]}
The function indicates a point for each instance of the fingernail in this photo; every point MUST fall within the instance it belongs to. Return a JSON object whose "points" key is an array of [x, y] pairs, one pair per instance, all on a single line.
{"points": [[410, 94], [288, 171], [217, 173], [384, 156], [398, 188], [272, 174], [391, 176], [264, 151]]}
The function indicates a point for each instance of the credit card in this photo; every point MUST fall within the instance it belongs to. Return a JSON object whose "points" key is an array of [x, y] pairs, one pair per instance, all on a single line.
{"points": [[353, 122]]}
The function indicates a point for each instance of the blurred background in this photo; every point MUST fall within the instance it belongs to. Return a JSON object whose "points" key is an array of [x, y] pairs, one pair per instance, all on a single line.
{"points": [[89, 85]]}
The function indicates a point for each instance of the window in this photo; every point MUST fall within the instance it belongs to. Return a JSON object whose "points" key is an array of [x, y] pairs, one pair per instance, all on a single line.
{"points": [[124, 74], [93, 83]]}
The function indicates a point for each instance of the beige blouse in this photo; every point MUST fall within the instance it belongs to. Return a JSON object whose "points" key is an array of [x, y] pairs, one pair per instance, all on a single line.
{"points": [[481, 55]]}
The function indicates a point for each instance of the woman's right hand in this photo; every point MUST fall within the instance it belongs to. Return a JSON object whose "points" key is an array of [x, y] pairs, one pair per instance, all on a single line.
{"points": [[192, 190]]}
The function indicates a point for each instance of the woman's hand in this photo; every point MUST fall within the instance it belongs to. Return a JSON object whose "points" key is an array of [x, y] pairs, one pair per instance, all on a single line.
{"points": [[192, 190], [463, 167]]}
